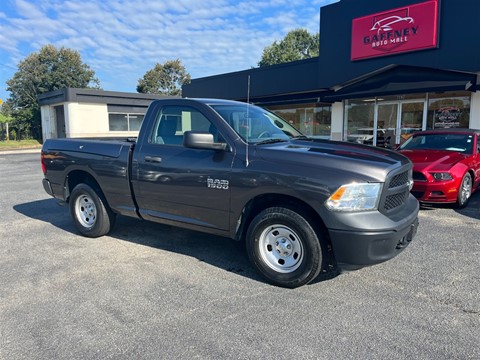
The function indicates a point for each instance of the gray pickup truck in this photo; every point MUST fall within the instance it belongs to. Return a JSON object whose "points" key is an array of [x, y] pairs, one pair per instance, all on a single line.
{"points": [[236, 170]]}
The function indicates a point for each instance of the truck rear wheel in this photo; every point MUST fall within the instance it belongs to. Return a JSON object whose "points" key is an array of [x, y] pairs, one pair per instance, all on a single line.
{"points": [[89, 212], [284, 247]]}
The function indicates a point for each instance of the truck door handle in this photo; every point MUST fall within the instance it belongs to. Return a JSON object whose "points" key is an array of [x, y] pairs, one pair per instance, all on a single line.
{"points": [[154, 159]]}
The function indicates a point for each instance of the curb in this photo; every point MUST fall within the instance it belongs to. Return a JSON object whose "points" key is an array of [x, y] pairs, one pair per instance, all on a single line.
{"points": [[20, 151]]}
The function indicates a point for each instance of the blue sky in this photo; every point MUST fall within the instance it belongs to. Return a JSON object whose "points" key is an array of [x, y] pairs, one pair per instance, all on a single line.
{"points": [[122, 39]]}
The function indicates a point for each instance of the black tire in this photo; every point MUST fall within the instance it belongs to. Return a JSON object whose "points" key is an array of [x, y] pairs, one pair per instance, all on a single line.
{"points": [[464, 191], [89, 212], [284, 247]]}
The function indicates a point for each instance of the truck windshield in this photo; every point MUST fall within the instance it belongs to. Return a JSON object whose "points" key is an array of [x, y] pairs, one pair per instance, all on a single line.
{"points": [[256, 125]]}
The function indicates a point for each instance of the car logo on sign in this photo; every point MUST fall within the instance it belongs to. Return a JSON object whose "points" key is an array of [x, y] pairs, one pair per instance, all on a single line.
{"points": [[386, 23]]}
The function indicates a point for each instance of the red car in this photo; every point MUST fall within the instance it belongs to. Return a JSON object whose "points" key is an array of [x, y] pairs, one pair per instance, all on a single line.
{"points": [[446, 164]]}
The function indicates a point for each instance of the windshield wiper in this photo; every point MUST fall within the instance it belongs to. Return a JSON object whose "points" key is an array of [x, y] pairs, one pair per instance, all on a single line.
{"points": [[301, 137], [270, 141]]}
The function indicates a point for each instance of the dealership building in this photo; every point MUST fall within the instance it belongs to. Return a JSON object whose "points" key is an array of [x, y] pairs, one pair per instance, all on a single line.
{"points": [[385, 70]]}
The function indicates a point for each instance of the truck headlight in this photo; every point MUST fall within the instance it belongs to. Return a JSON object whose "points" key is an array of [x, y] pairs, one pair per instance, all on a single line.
{"points": [[355, 197], [442, 176]]}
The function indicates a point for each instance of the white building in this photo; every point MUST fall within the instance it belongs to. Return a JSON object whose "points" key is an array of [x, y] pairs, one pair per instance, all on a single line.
{"points": [[88, 113]]}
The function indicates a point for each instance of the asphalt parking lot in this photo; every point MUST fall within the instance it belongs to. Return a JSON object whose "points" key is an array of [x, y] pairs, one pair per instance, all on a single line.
{"points": [[149, 291]]}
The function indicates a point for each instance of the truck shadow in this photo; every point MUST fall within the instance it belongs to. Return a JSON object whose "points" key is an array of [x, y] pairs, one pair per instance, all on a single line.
{"points": [[49, 211], [223, 253]]}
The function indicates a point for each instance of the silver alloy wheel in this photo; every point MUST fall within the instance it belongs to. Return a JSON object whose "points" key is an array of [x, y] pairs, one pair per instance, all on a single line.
{"points": [[281, 248], [85, 211], [465, 189]]}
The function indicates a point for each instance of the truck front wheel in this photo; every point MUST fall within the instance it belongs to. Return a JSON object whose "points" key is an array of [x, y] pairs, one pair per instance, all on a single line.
{"points": [[89, 212], [284, 247]]}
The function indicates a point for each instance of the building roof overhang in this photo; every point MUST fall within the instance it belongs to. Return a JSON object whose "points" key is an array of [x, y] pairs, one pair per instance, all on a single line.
{"points": [[97, 96], [403, 79]]}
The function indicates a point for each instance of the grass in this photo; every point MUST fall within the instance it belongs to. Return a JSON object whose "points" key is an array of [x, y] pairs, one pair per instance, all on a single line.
{"points": [[14, 144]]}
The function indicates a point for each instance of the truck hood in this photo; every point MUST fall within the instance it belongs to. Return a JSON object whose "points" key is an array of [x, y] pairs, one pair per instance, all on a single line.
{"points": [[366, 163], [440, 160]]}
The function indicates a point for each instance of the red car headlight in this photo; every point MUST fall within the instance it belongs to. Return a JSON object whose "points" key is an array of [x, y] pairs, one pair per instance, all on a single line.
{"points": [[442, 176]]}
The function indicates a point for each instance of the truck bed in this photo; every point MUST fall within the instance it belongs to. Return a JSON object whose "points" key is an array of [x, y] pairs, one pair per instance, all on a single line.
{"points": [[105, 163]]}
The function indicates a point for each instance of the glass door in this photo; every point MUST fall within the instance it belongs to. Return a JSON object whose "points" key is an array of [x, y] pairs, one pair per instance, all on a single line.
{"points": [[387, 124], [395, 121], [411, 119]]}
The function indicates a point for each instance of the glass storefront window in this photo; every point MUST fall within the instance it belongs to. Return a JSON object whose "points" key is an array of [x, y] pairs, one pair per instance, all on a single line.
{"points": [[411, 118], [323, 121], [311, 119], [359, 118], [448, 110], [395, 118]]}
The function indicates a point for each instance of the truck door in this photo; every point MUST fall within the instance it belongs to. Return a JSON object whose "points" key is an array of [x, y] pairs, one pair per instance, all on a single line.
{"points": [[173, 183]]}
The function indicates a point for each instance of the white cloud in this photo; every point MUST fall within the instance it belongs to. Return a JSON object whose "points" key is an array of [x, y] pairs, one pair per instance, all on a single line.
{"points": [[28, 10]]}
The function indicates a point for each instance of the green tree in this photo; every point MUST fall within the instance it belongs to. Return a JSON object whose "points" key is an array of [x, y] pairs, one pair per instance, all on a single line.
{"points": [[5, 120], [47, 70], [164, 79], [298, 44]]}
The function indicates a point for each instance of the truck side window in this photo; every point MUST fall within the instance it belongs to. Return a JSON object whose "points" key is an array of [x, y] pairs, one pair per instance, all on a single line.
{"points": [[173, 121]]}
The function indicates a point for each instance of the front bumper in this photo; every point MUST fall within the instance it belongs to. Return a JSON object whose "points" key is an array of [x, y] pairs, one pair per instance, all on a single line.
{"points": [[357, 249], [441, 192]]}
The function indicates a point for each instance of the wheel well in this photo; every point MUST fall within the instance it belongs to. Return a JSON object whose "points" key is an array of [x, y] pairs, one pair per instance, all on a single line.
{"points": [[262, 202], [81, 177], [472, 174]]}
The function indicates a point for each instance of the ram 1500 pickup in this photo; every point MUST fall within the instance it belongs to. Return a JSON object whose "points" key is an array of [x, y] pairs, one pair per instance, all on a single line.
{"points": [[236, 170]]}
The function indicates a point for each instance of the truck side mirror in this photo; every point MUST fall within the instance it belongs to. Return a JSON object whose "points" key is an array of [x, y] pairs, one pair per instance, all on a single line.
{"points": [[201, 140]]}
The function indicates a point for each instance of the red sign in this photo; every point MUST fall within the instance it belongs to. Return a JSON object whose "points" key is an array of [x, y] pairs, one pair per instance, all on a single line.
{"points": [[409, 28]]}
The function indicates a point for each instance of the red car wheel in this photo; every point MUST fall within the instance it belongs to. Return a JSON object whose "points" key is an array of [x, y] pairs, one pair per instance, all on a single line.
{"points": [[465, 190]]}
